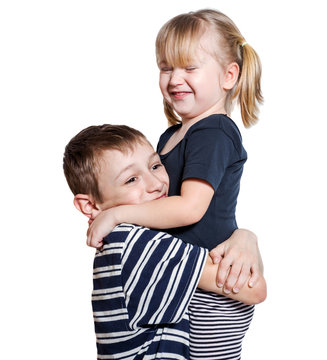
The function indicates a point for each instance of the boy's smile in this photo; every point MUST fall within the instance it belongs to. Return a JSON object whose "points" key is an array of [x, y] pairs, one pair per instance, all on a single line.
{"points": [[133, 177]]}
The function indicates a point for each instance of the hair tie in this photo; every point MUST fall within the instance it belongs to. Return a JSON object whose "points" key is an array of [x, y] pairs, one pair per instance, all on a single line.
{"points": [[244, 44]]}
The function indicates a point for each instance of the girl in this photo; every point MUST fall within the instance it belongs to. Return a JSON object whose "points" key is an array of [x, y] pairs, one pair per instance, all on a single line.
{"points": [[205, 67]]}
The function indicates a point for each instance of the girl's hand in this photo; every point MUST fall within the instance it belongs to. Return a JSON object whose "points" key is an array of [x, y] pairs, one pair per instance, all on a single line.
{"points": [[239, 259], [100, 227]]}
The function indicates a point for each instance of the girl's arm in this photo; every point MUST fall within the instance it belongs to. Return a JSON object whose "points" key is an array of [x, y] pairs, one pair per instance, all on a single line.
{"points": [[239, 253], [169, 212], [247, 295], [172, 211]]}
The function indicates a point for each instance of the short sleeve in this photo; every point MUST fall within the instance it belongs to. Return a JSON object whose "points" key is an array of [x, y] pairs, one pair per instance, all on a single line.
{"points": [[159, 276], [208, 153]]}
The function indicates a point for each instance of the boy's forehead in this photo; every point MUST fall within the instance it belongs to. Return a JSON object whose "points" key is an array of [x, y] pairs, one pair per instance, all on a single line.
{"points": [[117, 159], [127, 150]]}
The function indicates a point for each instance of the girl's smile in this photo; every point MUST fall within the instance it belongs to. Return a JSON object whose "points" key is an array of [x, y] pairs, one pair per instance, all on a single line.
{"points": [[198, 89], [180, 95]]}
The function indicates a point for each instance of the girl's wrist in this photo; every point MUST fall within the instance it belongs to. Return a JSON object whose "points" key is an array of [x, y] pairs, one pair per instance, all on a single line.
{"points": [[118, 215]]}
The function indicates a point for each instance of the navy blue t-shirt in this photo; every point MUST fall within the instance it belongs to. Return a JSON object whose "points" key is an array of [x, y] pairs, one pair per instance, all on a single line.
{"points": [[211, 150]]}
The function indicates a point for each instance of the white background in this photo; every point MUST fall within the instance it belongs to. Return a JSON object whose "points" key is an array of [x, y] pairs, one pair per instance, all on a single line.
{"points": [[65, 65]]}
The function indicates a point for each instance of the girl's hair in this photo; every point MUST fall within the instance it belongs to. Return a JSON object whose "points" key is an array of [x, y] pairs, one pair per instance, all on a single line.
{"points": [[178, 40]]}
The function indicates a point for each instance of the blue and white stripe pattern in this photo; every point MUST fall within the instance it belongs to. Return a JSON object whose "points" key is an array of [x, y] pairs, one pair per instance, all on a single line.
{"points": [[217, 326], [143, 283]]}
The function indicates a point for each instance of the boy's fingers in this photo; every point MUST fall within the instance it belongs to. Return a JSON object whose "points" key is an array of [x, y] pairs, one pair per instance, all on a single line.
{"points": [[242, 279], [215, 256], [255, 275], [232, 277], [217, 253], [223, 270]]}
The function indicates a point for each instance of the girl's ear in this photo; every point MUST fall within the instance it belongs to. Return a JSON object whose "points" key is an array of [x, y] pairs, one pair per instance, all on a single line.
{"points": [[86, 205], [231, 76]]}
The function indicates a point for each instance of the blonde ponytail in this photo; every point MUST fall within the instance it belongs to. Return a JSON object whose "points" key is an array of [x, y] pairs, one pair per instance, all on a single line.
{"points": [[248, 89], [170, 114]]}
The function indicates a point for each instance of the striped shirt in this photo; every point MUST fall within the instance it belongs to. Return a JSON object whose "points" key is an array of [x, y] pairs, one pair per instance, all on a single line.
{"points": [[143, 282]]}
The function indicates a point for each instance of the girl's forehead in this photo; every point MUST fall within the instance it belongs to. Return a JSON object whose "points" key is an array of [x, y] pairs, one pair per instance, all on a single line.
{"points": [[183, 50]]}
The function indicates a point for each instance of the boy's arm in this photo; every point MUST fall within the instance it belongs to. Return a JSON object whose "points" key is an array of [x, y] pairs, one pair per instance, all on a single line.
{"points": [[159, 274], [247, 295], [238, 257]]}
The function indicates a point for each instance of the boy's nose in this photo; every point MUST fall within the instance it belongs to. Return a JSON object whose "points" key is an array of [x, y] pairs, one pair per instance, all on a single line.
{"points": [[153, 183]]}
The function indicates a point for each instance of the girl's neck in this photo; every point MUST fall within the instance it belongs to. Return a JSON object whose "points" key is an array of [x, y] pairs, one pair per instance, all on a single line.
{"points": [[187, 123]]}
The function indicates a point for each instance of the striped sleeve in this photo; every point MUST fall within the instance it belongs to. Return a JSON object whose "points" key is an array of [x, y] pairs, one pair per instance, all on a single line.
{"points": [[159, 276]]}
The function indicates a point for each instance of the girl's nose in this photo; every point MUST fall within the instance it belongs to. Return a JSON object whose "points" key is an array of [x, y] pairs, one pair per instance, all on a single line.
{"points": [[176, 77]]}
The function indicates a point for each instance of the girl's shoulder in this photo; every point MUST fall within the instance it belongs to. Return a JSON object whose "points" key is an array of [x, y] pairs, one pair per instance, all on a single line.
{"points": [[170, 130], [217, 123], [166, 135]]}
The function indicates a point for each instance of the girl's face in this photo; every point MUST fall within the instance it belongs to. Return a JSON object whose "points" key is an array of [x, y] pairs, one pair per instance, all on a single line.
{"points": [[198, 89]]}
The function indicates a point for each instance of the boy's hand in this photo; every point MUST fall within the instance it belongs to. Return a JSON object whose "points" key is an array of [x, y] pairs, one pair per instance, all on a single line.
{"points": [[100, 227], [239, 259]]}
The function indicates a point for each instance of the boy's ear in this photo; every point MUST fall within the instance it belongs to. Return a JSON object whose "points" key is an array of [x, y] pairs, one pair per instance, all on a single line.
{"points": [[86, 205], [231, 76]]}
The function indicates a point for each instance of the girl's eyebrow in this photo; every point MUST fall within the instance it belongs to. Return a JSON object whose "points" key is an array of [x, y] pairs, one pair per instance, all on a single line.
{"points": [[163, 63]]}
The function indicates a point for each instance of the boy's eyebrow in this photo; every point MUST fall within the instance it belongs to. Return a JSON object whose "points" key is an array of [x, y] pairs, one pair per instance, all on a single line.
{"points": [[154, 154], [123, 170]]}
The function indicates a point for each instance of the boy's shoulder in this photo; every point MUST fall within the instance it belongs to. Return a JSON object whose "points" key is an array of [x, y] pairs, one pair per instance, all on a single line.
{"points": [[125, 231], [121, 232]]}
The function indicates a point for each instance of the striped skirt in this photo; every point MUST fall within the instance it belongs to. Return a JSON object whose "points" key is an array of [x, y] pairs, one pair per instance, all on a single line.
{"points": [[217, 326]]}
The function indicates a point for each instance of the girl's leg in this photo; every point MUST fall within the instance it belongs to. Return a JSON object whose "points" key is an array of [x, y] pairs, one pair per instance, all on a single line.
{"points": [[217, 326]]}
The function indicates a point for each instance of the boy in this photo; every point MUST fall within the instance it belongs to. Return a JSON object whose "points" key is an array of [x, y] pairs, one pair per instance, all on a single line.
{"points": [[143, 279]]}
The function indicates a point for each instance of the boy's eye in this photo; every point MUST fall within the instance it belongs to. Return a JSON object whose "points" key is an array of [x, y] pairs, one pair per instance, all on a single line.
{"points": [[131, 180], [156, 166]]}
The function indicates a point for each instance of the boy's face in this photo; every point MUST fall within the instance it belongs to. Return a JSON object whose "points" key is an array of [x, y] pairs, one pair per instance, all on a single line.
{"points": [[131, 178]]}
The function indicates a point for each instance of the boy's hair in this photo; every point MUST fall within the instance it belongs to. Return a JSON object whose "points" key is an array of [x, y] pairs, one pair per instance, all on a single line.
{"points": [[177, 42], [83, 154]]}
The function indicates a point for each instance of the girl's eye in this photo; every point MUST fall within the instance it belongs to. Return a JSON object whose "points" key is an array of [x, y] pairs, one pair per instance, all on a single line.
{"points": [[166, 69], [190, 68], [131, 180]]}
